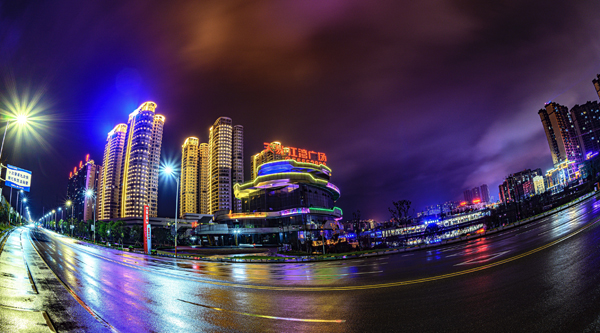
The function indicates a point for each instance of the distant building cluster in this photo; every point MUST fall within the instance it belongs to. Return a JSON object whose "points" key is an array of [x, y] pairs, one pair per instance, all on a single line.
{"points": [[477, 194], [573, 138]]}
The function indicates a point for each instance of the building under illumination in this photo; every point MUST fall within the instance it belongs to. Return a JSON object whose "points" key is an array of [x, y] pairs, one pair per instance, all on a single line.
{"points": [[143, 142], [587, 124], [188, 195], [109, 191], [82, 178], [518, 186], [561, 133], [287, 201], [225, 162], [203, 179]]}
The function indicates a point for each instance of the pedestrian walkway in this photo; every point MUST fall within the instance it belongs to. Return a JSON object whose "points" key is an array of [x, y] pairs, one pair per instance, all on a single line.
{"points": [[18, 292]]}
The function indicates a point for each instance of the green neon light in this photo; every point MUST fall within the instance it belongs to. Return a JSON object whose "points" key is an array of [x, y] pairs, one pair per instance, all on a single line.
{"points": [[283, 175], [296, 163]]}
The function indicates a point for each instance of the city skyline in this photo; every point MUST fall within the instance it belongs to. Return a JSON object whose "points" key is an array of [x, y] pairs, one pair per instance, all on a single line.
{"points": [[366, 118]]}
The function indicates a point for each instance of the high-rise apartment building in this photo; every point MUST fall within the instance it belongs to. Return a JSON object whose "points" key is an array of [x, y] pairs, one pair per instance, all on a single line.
{"points": [[485, 193], [109, 191], [468, 195], [561, 133], [203, 179], [225, 160], [586, 118], [475, 194], [188, 197], [143, 142], [596, 83], [81, 179]]}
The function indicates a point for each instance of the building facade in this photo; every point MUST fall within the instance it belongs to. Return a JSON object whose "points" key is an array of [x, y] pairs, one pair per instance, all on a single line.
{"points": [[468, 194], [225, 162], [485, 193], [538, 184], [518, 186], [109, 191], [476, 194], [188, 194], [141, 160], [560, 133], [203, 179], [81, 179], [586, 118]]}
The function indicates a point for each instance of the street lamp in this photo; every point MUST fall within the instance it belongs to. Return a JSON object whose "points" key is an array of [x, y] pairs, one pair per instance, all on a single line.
{"points": [[89, 193], [168, 170], [21, 119], [24, 200]]}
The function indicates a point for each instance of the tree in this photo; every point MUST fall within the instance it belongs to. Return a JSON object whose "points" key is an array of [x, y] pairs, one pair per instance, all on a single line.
{"points": [[356, 220], [400, 212]]}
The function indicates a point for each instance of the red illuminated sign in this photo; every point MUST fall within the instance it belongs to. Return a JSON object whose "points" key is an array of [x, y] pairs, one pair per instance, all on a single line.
{"points": [[297, 154], [70, 174], [87, 157], [476, 201], [147, 230], [194, 224], [464, 203]]}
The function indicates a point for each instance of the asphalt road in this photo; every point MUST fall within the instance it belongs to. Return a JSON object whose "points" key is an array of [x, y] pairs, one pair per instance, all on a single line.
{"points": [[540, 277]]}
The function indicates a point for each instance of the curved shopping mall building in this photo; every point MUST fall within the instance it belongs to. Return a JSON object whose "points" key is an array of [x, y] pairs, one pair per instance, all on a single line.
{"points": [[286, 202]]}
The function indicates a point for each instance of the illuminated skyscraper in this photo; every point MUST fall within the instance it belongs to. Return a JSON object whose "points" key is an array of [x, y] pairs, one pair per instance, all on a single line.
{"points": [[81, 179], [109, 191], [203, 179], [143, 142], [597, 84], [188, 199], [225, 160], [561, 133]]}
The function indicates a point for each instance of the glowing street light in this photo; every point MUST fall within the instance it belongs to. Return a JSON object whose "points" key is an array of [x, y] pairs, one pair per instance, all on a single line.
{"points": [[89, 193], [21, 119], [170, 171]]}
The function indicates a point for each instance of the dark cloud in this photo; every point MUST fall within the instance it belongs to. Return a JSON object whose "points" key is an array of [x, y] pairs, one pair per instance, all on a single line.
{"points": [[410, 100]]}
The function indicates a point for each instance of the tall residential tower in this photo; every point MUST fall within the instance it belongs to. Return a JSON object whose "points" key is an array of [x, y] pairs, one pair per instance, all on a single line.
{"points": [[561, 133], [225, 162], [143, 142], [188, 196], [109, 191]]}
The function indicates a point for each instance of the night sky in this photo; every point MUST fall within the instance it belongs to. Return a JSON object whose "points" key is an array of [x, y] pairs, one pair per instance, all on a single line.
{"points": [[414, 100]]}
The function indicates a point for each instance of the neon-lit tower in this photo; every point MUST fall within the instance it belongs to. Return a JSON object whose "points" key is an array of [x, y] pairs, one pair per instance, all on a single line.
{"points": [[188, 202], [109, 191], [143, 142]]}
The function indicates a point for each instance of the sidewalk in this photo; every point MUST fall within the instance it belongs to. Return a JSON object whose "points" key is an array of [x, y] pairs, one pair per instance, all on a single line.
{"points": [[18, 292]]}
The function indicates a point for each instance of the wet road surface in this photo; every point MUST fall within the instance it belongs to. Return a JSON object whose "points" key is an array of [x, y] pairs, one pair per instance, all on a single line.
{"points": [[543, 276]]}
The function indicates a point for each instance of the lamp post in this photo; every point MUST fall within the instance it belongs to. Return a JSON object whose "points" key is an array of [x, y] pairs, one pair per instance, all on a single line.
{"points": [[20, 119], [169, 171], [22, 201], [90, 194]]}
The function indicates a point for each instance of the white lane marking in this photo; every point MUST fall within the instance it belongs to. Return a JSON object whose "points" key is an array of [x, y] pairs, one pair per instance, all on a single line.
{"points": [[483, 258]]}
